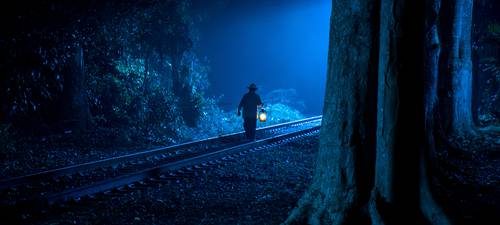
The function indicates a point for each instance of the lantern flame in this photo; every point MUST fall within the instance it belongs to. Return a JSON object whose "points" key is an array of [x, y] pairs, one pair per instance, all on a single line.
{"points": [[262, 116]]}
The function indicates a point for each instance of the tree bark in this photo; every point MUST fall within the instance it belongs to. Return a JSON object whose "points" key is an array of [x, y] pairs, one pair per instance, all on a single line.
{"points": [[400, 129], [456, 65], [387, 101], [334, 196], [401, 193], [430, 209]]}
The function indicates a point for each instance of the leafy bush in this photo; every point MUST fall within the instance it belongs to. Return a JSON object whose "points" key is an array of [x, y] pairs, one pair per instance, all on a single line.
{"points": [[280, 113], [214, 121], [284, 96]]}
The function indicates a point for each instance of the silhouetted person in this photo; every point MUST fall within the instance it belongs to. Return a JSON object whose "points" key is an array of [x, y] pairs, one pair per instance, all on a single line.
{"points": [[249, 103]]}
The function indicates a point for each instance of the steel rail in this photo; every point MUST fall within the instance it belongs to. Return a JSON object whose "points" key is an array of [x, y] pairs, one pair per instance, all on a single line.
{"points": [[15, 181], [126, 179]]}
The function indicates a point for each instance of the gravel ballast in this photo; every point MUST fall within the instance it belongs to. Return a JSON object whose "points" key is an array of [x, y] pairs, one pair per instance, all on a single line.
{"points": [[258, 188]]}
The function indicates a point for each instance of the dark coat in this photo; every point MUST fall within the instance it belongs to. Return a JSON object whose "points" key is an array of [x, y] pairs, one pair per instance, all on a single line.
{"points": [[249, 103]]}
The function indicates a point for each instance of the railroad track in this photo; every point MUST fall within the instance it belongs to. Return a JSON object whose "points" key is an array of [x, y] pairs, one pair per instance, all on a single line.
{"points": [[119, 173]]}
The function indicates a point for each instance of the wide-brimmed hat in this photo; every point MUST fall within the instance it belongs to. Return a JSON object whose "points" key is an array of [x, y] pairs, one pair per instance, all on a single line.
{"points": [[252, 86]]}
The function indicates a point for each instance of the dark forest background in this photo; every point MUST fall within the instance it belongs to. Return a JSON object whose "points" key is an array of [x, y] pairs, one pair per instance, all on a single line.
{"points": [[122, 71], [486, 55]]}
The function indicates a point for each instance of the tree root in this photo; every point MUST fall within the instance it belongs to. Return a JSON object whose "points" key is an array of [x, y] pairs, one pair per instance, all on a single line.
{"points": [[315, 208], [430, 209], [375, 217]]}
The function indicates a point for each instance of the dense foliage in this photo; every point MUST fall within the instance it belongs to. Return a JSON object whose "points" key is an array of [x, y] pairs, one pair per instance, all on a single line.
{"points": [[133, 54], [124, 69]]}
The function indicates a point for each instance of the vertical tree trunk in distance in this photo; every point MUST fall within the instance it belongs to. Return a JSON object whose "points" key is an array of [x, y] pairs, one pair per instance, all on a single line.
{"points": [[456, 65], [75, 108], [182, 91], [449, 113]]}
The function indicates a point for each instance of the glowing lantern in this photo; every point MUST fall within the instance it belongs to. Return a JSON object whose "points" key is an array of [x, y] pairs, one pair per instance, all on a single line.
{"points": [[262, 115]]}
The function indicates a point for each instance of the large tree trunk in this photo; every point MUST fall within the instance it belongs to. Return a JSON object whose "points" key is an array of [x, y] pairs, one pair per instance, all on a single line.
{"points": [[401, 192], [337, 189]]}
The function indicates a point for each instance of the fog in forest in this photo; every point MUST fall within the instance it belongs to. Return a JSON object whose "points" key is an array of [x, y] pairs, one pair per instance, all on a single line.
{"points": [[277, 45]]}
